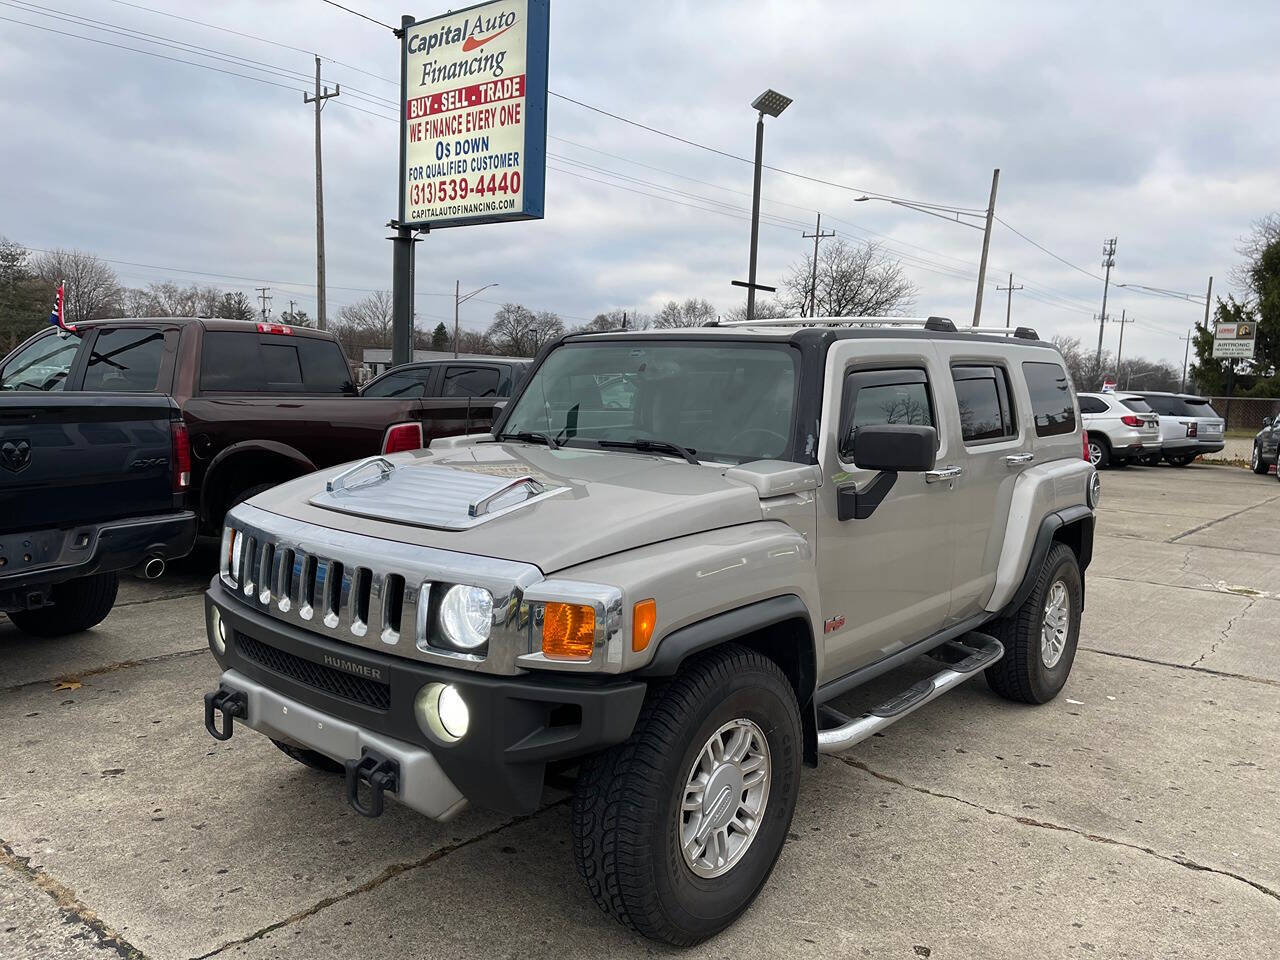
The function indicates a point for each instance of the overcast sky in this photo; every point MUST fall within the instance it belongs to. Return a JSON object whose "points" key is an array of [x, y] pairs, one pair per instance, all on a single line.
{"points": [[1157, 123]]}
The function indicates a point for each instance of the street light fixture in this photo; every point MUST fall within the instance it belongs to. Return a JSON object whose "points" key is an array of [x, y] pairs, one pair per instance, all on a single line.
{"points": [[770, 102], [459, 300]]}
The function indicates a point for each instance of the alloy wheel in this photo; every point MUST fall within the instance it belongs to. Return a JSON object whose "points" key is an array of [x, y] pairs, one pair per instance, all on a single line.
{"points": [[1055, 624], [724, 798]]}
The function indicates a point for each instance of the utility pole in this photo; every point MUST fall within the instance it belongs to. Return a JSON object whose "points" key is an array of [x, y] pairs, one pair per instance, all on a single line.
{"points": [[1008, 307], [1108, 261], [457, 302], [986, 244], [318, 99], [1186, 353], [291, 313], [813, 269], [264, 294], [1120, 349], [755, 219]]}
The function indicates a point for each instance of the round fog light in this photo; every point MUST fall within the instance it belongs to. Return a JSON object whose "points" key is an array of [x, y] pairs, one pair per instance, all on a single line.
{"points": [[219, 631], [441, 711]]}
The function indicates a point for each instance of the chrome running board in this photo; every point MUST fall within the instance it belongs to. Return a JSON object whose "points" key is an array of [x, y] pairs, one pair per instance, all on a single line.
{"points": [[976, 652]]}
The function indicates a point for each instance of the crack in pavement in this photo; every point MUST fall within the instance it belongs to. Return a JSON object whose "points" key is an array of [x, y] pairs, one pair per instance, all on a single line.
{"points": [[1046, 825], [1209, 586], [390, 873], [174, 596], [1206, 526], [1222, 637], [1183, 666], [108, 668], [72, 910]]}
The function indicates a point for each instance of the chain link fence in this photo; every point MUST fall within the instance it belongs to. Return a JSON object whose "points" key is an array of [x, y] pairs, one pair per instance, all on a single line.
{"points": [[1246, 413]]}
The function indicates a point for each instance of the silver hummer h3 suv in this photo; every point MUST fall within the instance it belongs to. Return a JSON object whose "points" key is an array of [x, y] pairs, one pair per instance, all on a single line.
{"points": [[675, 551]]}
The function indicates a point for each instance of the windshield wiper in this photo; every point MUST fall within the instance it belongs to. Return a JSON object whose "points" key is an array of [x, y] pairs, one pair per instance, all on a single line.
{"points": [[529, 436], [653, 446]]}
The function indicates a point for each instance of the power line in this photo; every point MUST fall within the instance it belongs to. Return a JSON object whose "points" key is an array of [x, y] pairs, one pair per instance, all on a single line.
{"points": [[1048, 251], [357, 13]]}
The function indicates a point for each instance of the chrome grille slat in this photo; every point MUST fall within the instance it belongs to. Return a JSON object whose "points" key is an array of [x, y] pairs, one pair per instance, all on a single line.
{"points": [[293, 562]]}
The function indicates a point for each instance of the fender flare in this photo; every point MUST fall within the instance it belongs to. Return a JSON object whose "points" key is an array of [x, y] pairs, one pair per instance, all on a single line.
{"points": [[1045, 537], [272, 447]]}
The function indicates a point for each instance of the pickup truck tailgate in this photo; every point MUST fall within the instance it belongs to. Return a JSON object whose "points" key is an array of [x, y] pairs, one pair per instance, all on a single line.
{"points": [[79, 458]]}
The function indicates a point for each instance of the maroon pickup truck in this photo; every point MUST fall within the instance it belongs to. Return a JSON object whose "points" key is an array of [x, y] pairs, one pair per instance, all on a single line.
{"points": [[263, 402]]}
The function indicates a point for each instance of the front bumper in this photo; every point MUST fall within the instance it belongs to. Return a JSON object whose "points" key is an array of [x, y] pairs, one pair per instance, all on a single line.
{"points": [[35, 560], [339, 699]]}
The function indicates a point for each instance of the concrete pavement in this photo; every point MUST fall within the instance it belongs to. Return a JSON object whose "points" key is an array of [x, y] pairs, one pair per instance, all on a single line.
{"points": [[1137, 815]]}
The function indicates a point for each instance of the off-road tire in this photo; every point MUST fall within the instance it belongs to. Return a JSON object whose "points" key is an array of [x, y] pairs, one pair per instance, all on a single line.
{"points": [[1104, 452], [627, 799], [1256, 462], [1021, 674], [310, 758], [77, 605]]}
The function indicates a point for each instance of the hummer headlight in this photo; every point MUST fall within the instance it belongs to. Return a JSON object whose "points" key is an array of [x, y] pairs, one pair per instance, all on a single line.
{"points": [[466, 616]]}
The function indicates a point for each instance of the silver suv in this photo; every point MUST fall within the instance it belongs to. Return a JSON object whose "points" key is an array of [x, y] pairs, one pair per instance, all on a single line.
{"points": [[1189, 426], [664, 568], [1121, 427]]}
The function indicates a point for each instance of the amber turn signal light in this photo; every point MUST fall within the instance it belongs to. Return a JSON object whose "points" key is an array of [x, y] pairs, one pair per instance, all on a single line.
{"points": [[568, 631], [644, 617]]}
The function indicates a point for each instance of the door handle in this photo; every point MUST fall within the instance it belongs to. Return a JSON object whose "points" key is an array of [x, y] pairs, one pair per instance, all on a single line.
{"points": [[946, 473], [1014, 459]]}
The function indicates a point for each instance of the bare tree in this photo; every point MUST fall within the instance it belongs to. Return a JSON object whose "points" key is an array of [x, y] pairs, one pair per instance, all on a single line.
{"points": [[617, 320], [692, 312], [518, 331], [369, 320], [1266, 231], [853, 279], [765, 310], [92, 290]]}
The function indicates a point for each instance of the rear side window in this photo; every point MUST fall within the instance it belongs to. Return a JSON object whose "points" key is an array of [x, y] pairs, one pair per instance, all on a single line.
{"points": [[1051, 402], [1168, 406], [41, 365], [235, 362], [874, 397], [410, 383], [125, 361], [983, 396], [1092, 405], [1201, 408], [1136, 404], [469, 382]]}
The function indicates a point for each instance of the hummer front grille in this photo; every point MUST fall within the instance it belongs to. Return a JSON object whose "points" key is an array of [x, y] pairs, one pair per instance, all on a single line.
{"points": [[362, 690], [375, 593]]}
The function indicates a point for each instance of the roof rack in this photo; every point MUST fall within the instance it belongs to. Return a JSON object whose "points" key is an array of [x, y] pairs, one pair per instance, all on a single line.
{"points": [[929, 323], [1022, 333]]}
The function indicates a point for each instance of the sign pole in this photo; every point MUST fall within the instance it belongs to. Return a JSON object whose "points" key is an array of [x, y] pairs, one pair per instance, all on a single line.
{"points": [[403, 241]]}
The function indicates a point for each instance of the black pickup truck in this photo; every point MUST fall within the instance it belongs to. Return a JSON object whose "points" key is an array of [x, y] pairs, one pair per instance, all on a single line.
{"points": [[90, 484], [264, 402]]}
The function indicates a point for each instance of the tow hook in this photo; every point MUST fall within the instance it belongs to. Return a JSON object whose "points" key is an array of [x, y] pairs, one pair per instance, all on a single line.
{"points": [[230, 703], [381, 773]]}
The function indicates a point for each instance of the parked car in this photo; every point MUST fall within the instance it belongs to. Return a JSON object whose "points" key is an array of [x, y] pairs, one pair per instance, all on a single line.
{"points": [[1266, 447], [666, 588], [488, 379], [1121, 428], [1189, 426], [90, 485], [263, 402]]}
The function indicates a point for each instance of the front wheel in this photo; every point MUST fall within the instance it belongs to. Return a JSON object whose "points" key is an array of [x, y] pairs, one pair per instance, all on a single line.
{"points": [[676, 830], [1256, 462], [1040, 636]]}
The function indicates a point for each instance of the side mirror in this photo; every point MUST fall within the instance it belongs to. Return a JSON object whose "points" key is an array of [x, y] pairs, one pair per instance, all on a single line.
{"points": [[894, 448], [498, 407], [1266, 422], [891, 449]]}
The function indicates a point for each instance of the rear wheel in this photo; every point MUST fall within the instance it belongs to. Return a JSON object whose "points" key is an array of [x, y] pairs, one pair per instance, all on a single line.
{"points": [[1151, 460], [676, 830], [310, 758], [77, 605], [1256, 462], [1099, 452], [1181, 459], [1040, 636]]}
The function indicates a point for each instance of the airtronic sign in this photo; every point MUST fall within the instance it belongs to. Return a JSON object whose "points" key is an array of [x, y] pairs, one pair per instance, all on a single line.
{"points": [[1235, 341], [475, 115]]}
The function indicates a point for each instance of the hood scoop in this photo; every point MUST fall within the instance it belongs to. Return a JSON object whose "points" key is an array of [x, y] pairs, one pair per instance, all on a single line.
{"points": [[444, 498]]}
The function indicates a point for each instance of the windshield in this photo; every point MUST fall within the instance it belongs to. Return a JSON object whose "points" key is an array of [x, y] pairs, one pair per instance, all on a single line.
{"points": [[725, 402]]}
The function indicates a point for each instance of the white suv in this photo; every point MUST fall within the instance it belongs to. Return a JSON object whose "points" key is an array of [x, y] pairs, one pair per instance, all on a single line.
{"points": [[1122, 427]]}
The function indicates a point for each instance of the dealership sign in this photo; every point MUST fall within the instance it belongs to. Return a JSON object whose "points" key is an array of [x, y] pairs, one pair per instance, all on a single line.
{"points": [[475, 115], [1234, 341]]}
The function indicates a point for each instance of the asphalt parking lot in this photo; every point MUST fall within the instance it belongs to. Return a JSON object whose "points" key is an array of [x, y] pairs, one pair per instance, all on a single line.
{"points": [[1138, 815]]}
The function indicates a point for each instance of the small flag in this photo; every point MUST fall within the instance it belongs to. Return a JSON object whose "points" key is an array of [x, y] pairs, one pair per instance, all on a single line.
{"points": [[58, 317]]}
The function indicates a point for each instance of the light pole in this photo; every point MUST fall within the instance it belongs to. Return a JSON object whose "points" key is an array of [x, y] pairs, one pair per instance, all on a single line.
{"points": [[770, 102], [458, 301]]}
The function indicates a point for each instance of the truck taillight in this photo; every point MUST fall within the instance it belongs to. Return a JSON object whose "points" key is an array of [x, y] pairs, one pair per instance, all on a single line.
{"points": [[1192, 428], [1084, 440], [275, 328], [402, 436], [1131, 421], [180, 444]]}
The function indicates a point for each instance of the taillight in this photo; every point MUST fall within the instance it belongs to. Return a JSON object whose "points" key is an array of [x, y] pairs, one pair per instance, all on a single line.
{"points": [[180, 444], [1192, 428], [402, 436], [275, 328], [1084, 437], [1131, 421]]}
